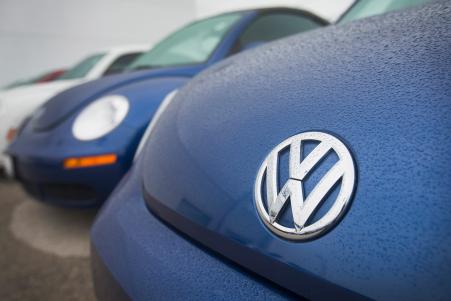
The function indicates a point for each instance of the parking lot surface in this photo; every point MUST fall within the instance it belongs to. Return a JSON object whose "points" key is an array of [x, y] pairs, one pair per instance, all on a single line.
{"points": [[44, 249]]}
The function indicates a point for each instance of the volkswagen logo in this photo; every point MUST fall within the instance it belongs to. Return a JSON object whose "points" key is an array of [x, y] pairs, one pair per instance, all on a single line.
{"points": [[303, 222]]}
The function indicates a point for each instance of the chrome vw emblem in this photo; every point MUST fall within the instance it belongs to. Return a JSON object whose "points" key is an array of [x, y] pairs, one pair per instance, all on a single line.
{"points": [[271, 202]]}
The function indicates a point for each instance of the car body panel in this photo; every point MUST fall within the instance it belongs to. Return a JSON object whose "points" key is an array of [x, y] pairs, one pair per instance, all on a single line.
{"points": [[57, 109], [382, 85], [49, 132], [43, 164], [18, 103], [137, 264]]}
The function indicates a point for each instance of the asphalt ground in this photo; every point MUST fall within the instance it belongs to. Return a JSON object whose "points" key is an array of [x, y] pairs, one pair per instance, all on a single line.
{"points": [[44, 250]]}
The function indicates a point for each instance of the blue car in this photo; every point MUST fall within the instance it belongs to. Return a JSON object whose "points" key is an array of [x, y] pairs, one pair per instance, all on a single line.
{"points": [[315, 167], [77, 147]]}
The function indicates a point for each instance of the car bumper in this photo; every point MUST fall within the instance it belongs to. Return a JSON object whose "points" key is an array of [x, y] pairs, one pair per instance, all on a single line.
{"points": [[152, 261], [38, 163], [50, 182]]}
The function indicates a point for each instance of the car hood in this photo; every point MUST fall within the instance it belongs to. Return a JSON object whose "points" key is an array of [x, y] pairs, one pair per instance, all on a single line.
{"points": [[63, 104], [383, 86]]}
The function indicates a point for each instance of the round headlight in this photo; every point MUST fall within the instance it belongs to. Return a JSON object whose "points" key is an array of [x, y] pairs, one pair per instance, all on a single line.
{"points": [[100, 117]]}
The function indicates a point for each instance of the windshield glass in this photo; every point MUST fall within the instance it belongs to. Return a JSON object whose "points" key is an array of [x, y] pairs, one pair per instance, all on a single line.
{"points": [[192, 44], [82, 69], [367, 8]]}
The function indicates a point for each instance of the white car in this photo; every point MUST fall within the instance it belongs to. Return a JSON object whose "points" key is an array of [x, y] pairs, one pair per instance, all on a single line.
{"points": [[18, 103]]}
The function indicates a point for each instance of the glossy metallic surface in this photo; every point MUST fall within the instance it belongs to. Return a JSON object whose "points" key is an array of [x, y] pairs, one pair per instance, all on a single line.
{"points": [[382, 85], [303, 206]]}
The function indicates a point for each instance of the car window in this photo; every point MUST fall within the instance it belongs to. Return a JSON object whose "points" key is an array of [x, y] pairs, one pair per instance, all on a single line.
{"points": [[121, 63], [274, 26], [190, 45], [367, 8], [82, 69]]}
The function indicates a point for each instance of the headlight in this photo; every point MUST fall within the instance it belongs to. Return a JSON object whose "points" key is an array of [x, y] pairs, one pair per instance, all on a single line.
{"points": [[100, 117]]}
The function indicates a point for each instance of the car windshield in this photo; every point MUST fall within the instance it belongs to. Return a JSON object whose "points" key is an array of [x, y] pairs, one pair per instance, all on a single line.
{"points": [[192, 44], [82, 69], [367, 8]]}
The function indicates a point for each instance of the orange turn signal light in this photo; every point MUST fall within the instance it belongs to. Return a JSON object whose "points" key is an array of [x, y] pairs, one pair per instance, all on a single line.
{"points": [[91, 161]]}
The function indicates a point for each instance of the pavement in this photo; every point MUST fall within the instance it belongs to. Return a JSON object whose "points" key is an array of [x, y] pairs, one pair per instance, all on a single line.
{"points": [[44, 250]]}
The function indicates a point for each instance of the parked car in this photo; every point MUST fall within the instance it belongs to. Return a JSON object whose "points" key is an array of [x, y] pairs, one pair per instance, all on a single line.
{"points": [[42, 78], [18, 103], [79, 145], [316, 167], [49, 76]]}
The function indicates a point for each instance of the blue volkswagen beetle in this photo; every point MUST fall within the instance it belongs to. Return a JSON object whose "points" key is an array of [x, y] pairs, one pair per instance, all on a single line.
{"points": [[315, 167], [77, 146]]}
